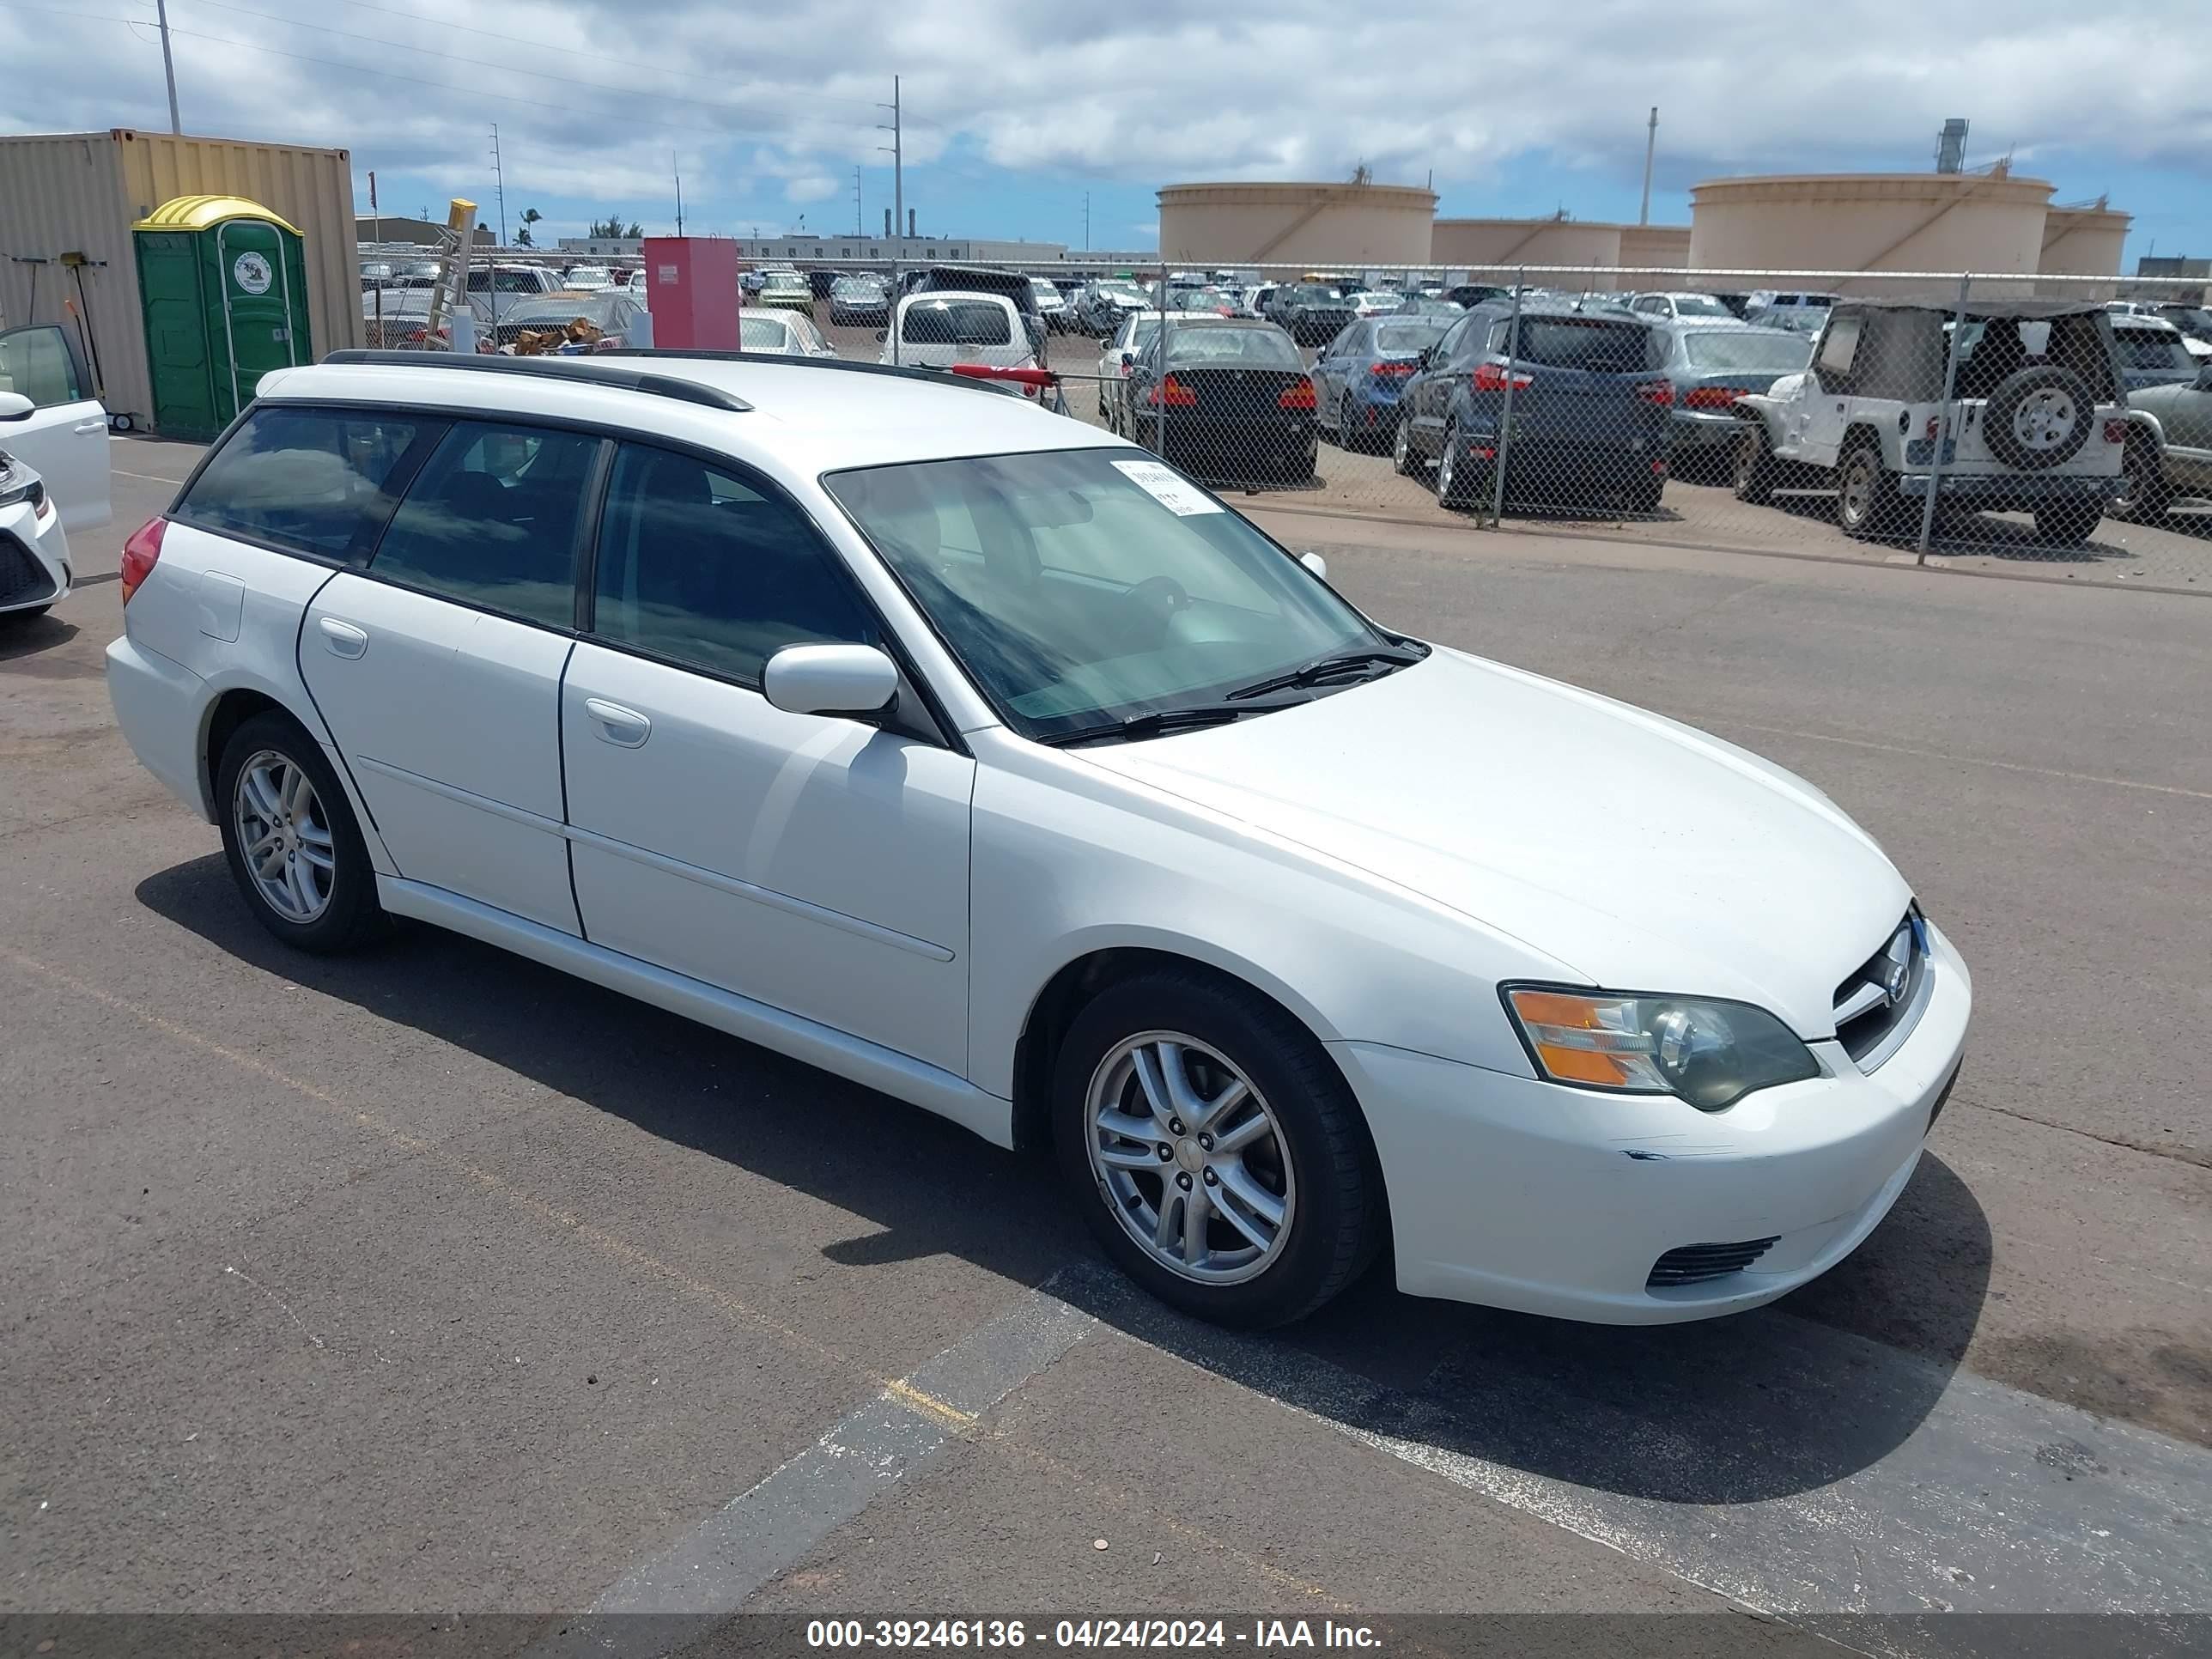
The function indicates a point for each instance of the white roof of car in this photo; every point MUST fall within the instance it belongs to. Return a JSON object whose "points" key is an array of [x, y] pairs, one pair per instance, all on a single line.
{"points": [[806, 417]]}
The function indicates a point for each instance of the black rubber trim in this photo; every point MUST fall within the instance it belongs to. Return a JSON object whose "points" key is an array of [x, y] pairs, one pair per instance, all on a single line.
{"points": [[577, 369]]}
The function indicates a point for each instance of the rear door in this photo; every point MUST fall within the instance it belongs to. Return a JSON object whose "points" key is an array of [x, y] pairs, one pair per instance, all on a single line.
{"points": [[65, 437], [438, 669]]}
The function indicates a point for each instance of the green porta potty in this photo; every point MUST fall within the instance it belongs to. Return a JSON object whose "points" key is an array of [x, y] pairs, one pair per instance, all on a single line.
{"points": [[224, 284]]}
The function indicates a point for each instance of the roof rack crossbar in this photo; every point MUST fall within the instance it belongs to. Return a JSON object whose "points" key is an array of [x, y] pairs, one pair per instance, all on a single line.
{"points": [[559, 369]]}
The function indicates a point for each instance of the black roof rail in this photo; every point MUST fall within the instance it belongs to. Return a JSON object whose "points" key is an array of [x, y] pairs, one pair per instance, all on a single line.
{"points": [[775, 359], [556, 368]]}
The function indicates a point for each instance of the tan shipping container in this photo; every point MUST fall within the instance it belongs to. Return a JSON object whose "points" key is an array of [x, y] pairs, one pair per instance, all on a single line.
{"points": [[80, 192]]}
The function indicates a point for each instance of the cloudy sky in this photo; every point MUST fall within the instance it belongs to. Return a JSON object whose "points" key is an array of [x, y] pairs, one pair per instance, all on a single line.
{"points": [[1018, 112]]}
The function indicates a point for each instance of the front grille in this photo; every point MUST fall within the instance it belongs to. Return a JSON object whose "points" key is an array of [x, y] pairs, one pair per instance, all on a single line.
{"points": [[23, 580], [1693, 1264], [1877, 1006]]}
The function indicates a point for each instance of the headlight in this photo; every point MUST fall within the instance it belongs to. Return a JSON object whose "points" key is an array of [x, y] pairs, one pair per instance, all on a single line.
{"points": [[1707, 1052], [17, 484]]}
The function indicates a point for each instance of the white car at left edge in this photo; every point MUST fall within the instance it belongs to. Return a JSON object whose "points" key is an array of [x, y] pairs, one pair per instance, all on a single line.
{"points": [[53, 465]]}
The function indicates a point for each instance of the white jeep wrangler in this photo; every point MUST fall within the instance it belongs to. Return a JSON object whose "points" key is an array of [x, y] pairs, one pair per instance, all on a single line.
{"points": [[2037, 421]]}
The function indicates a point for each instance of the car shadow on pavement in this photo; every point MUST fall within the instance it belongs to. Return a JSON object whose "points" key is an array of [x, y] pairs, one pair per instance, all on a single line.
{"points": [[1966, 533], [27, 636], [1764, 1405]]}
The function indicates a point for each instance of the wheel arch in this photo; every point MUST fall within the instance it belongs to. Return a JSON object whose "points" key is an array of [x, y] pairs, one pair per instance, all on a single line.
{"points": [[230, 706]]}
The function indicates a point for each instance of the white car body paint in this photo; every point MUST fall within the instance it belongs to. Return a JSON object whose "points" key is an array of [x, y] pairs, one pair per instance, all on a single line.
{"points": [[1377, 860]]}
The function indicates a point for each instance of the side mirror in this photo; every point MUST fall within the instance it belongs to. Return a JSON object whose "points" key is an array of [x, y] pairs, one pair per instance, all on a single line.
{"points": [[14, 406], [1315, 563], [857, 681], [1128, 358]]}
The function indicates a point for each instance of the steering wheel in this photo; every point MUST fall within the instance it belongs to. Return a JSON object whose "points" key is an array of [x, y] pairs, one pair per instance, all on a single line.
{"points": [[1162, 595]]}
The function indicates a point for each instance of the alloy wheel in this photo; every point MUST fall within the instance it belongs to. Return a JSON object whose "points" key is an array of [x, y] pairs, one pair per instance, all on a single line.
{"points": [[1190, 1157], [284, 837]]}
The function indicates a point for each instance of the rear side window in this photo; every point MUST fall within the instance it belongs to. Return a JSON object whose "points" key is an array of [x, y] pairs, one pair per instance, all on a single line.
{"points": [[697, 567], [956, 322], [315, 480], [1839, 346], [491, 520]]}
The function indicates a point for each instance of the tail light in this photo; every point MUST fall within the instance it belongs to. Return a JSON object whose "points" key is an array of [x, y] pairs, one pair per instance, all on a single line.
{"points": [[1711, 397], [1300, 396], [1394, 371], [416, 337], [1659, 469], [1492, 377], [1174, 394], [1658, 393], [140, 554], [2115, 432], [1932, 425]]}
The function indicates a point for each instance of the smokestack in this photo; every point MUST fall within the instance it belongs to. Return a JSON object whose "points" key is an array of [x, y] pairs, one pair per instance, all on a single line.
{"points": [[887, 224], [909, 221]]}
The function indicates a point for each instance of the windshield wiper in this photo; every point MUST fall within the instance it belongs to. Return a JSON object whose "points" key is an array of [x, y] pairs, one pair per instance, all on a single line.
{"points": [[1156, 724], [1325, 668]]}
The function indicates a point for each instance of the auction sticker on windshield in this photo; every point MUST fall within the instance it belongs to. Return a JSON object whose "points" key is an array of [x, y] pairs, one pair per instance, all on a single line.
{"points": [[1164, 487]]}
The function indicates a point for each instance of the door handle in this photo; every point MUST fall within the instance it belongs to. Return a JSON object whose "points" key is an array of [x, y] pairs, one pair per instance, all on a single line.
{"points": [[624, 728], [342, 638], [90, 426]]}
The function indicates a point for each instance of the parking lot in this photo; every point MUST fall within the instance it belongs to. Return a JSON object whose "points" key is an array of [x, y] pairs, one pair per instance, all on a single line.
{"points": [[430, 1279], [1696, 509]]}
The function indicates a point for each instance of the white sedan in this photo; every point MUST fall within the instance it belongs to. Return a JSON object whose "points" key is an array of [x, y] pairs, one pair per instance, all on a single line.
{"points": [[978, 756], [54, 471]]}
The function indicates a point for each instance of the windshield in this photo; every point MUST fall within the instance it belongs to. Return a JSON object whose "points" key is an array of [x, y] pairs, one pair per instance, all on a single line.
{"points": [[1697, 305], [956, 322], [1200, 345], [2151, 348], [856, 288], [1126, 292], [1081, 587], [759, 333], [597, 310], [1725, 348], [1406, 338]]}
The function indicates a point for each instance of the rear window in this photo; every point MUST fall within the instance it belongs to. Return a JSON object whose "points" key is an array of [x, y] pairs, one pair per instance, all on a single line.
{"points": [[2151, 348], [758, 333], [1600, 348], [1697, 305], [1721, 348], [597, 309], [1244, 348], [956, 322], [1409, 337], [313, 480]]}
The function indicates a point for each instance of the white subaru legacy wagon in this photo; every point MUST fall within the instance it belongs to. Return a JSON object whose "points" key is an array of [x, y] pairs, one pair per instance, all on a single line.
{"points": [[971, 754]]}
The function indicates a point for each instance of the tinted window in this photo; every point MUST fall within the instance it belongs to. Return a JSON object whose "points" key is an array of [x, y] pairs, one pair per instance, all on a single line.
{"points": [[603, 312], [1407, 338], [2151, 348], [307, 478], [491, 519], [695, 567], [1724, 347], [956, 322], [1579, 343], [759, 333], [37, 363]]}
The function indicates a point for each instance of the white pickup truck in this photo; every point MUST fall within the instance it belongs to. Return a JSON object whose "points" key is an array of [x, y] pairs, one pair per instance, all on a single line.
{"points": [[2037, 423]]}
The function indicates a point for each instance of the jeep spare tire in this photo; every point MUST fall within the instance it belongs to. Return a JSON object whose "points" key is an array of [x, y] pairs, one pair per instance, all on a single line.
{"points": [[2039, 418]]}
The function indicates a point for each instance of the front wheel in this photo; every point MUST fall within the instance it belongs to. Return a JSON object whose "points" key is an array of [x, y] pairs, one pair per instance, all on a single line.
{"points": [[2144, 492], [289, 836], [1752, 473], [1402, 458], [1215, 1149], [1866, 492]]}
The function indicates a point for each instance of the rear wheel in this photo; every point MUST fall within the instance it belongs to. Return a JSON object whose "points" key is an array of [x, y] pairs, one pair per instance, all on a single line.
{"points": [[2144, 492], [2067, 524], [1753, 472], [1344, 437], [289, 836], [1454, 487], [1215, 1150], [1866, 500]]}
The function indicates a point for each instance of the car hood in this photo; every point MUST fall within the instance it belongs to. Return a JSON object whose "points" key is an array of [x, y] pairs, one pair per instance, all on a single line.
{"points": [[1641, 854]]}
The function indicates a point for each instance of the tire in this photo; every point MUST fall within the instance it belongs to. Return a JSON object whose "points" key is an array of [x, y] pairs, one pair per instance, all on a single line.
{"points": [[1343, 440], [1310, 1154], [1644, 495], [1403, 460], [1454, 489], [1867, 501], [2067, 524], [2144, 492], [347, 914], [2039, 418], [1754, 464]]}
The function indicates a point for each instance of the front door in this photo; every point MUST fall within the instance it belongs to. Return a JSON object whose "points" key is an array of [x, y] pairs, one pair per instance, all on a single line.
{"points": [[816, 865], [63, 439], [438, 671]]}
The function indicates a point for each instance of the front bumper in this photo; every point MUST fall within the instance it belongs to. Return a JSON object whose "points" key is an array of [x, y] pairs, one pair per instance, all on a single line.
{"points": [[1525, 1194], [34, 557], [1697, 428]]}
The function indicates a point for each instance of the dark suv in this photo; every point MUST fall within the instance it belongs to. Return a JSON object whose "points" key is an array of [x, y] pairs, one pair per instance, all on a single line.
{"points": [[1311, 313], [1590, 403]]}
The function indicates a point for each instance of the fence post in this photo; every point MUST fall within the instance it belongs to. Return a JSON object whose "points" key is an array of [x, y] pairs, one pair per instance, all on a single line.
{"points": [[1159, 388], [1505, 411], [892, 320], [1943, 422]]}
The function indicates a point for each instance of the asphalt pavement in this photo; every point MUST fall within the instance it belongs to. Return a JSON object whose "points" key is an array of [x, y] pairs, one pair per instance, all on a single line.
{"points": [[429, 1280]]}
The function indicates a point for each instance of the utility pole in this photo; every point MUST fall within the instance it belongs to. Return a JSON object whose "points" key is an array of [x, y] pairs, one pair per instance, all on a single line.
{"points": [[499, 184], [1650, 149], [169, 64], [898, 167], [860, 225], [676, 165]]}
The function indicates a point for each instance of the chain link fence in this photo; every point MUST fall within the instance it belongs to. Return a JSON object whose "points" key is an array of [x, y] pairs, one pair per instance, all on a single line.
{"points": [[2057, 423]]}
